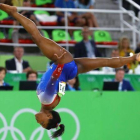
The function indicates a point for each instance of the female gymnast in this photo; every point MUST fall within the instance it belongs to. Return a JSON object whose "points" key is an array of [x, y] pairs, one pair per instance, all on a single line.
{"points": [[52, 85]]}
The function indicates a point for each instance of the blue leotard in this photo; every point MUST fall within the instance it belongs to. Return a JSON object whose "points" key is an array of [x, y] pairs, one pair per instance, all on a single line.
{"points": [[48, 87]]}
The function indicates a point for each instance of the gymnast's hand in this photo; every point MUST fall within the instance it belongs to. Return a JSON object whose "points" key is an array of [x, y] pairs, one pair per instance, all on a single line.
{"points": [[63, 52]]}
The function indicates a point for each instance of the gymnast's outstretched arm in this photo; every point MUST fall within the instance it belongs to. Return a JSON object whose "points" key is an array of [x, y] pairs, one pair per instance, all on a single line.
{"points": [[49, 48]]}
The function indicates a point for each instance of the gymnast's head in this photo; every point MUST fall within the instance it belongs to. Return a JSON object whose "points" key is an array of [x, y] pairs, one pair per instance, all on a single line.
{"points": [[50, 120]]}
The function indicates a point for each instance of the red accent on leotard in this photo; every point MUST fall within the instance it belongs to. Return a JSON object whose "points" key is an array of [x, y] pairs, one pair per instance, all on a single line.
{"points": [[58, 71]]}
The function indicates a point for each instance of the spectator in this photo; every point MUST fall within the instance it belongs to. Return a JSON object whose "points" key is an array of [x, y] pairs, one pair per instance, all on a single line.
{"points": [[16, 63], [86, 48], [124, 49], [22, 33], [90, 18], [72, 16], [124, 85], [31, 75], [73, 84], [2, 75]]}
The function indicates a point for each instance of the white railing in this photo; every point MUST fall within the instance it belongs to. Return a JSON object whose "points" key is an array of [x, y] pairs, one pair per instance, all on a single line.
{"points": [[66, 27], [69, 27], [134, 4], [135, 20]]}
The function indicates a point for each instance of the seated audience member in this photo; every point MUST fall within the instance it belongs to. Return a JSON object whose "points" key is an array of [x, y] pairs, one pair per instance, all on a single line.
{"points": [[16, 63], [22, 33], [86, 48], [73, 84], [124, 85], [2, 75], [72, 16], [90, 18], [31, 75], [124, 49]]}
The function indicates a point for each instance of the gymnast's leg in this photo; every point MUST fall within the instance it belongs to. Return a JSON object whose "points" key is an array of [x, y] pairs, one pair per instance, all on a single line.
{"points": [[49, 48], [87, 64]]}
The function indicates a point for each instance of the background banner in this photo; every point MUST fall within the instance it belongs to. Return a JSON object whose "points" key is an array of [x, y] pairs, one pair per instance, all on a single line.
{"points": [[86, 115], [87, 81]]}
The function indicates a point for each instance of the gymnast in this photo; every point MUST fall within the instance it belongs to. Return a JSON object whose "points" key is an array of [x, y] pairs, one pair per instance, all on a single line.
{"points": [[52, 85]]}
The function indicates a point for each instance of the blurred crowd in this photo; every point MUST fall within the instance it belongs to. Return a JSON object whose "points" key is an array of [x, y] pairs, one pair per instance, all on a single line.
{"points": [[85, 48]]}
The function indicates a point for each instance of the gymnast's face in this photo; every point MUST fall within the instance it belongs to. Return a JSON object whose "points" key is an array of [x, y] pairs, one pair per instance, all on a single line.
{"points": [[43, 118]]}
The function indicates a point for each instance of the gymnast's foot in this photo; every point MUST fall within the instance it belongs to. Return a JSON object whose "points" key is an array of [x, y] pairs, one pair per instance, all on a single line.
{"points": [[8, 9], [138, 57]]}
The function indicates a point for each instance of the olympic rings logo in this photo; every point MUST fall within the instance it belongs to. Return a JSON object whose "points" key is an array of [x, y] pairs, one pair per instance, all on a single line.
{"points": [[13, 129]]}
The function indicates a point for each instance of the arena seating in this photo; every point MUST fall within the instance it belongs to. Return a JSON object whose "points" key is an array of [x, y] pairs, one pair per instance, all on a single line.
{"points": [[43, 3], [3, 15], [45, 19], [59, 36]]}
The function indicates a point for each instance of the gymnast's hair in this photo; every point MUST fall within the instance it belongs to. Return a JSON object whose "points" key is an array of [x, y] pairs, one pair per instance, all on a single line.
{"points": [[54, 123]]}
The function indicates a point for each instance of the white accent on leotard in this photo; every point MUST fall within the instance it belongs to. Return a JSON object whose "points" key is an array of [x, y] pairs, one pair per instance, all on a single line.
{"points": [[46, 99]]}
